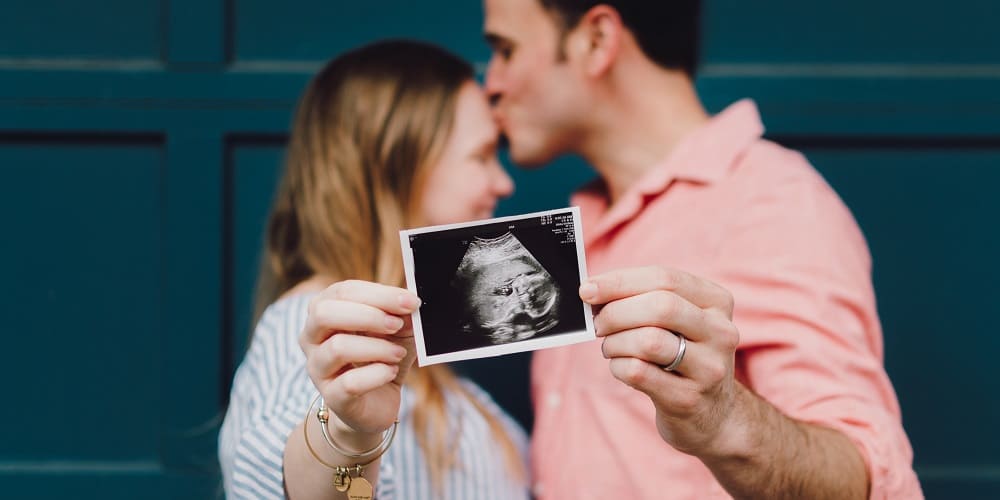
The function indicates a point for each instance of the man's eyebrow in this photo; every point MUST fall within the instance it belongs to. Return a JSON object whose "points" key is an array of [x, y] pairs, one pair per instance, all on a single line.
{"points": [[494, 39]]}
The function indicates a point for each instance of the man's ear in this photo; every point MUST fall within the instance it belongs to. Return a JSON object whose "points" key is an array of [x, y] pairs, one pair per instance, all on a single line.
{"points": [[597, 39]]}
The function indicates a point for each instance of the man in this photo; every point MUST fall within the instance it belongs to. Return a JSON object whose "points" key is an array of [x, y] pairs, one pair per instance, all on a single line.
{"points": [[783, 396]]}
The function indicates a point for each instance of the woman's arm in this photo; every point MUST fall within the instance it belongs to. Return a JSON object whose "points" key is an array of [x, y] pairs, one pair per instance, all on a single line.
{"points": [[306, 477], [358, 344]]}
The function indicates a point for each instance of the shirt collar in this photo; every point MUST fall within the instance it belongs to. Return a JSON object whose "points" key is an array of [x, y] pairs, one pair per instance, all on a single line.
{"points": [[708, 153], [704, 156]]}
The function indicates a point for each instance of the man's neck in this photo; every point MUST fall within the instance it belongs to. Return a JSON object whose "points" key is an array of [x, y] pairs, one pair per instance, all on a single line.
{"points": [[641, 125]]}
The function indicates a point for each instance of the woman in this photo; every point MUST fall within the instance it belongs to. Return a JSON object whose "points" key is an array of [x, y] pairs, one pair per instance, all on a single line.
{"points": [[389, 136]]}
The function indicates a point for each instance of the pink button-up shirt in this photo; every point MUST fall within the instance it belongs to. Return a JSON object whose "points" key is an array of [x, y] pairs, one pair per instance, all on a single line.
{"points": [[757, 219]]}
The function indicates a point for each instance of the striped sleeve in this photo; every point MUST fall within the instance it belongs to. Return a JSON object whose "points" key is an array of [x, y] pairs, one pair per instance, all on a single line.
{"points": [[269, 398], [261, 411], [271, 392]]}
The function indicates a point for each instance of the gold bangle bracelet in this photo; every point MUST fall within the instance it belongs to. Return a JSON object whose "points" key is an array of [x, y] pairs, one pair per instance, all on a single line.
{"points": [[323, 415], [379, 450]]}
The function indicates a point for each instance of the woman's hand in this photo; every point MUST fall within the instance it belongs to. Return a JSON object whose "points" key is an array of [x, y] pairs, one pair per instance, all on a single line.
{"points": [[358, 342]]}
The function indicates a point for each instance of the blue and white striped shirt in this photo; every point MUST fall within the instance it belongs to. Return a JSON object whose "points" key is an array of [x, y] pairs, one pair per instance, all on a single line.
{"points": [[269, 398]]}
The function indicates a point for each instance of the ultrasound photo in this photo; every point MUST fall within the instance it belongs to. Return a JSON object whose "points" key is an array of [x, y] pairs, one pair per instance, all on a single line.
{"points": [[497, 286]]}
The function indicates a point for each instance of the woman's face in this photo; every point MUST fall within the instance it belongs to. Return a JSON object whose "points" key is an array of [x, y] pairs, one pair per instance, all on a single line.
{"points": [[468, 179]]}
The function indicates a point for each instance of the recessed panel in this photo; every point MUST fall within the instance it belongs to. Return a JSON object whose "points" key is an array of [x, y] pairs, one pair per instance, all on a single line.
{"points": [[81, 302], [254, 173]]}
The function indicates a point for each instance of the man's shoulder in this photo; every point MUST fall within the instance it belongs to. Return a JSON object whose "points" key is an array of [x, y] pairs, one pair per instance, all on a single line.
{"points": [[779, 185], [771, 163]]}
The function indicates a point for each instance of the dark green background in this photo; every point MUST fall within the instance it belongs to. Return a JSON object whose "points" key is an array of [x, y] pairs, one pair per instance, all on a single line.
{"points": [[140, 140]]}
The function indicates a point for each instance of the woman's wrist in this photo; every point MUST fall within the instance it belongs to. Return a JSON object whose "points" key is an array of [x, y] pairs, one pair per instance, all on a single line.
{"points": [[348, 438]]}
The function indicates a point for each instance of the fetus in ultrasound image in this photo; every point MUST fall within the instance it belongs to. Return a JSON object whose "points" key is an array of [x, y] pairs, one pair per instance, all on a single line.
{"points": [[507, 294], [497, 287]]}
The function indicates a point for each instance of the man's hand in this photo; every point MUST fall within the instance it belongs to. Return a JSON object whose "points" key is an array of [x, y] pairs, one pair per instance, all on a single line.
{"points": [[644, 313], [753, 449]]}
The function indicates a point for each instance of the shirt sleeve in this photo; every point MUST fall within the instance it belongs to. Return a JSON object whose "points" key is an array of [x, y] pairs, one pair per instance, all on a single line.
{"points": [[270, 395], [811, 340]]}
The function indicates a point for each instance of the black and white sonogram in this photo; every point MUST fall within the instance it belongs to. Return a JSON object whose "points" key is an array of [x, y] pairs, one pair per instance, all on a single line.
{"points": [[508, 294], [497, 286]]}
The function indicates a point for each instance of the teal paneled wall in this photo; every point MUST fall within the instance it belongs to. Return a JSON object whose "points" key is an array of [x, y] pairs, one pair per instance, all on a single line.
{"points": [[309, 31], [254, 168], [77, 30], [852, 32], [140, 141], [71, 273]]}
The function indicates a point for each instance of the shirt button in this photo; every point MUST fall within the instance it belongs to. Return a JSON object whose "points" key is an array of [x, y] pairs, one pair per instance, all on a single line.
{"points": [[553, 399]]}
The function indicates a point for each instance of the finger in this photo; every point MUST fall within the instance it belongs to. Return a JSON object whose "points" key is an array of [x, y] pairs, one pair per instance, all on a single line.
{"points": [[357, 382], [676, 395], [327, 317], [652, 344], [407, 330], [622, 283], [660, 348], [659, 308], [340, 351], [393, 300]]}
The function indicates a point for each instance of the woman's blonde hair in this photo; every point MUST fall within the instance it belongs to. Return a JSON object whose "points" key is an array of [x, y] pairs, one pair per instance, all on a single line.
{"points": [[367, 129]]}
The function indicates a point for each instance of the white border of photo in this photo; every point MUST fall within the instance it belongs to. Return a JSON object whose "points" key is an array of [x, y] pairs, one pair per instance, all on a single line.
{"points": [[543, 342]]}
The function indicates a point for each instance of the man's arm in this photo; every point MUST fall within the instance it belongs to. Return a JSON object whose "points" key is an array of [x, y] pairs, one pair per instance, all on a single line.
{"points": [[781, 457], [701, 409]]}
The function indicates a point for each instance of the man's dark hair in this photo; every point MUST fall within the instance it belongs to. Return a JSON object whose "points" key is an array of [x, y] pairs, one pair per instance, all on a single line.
{"points": [[667, 30]]}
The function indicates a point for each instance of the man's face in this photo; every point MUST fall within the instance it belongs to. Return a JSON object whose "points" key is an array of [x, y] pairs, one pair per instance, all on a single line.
{"points": [[537, 97]]}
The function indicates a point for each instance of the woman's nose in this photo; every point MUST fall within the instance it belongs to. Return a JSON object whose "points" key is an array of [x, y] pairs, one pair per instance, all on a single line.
{"points": [[503, 185]]}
